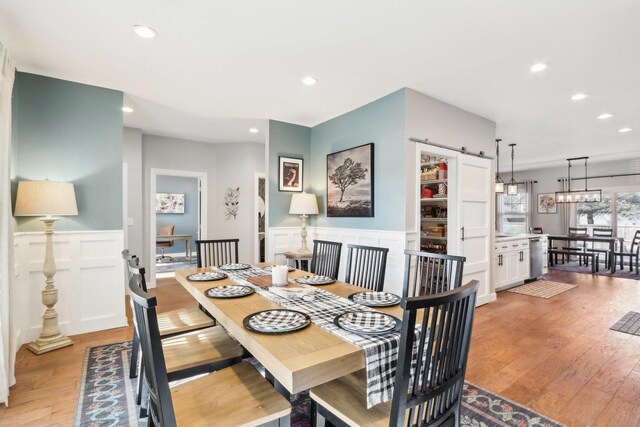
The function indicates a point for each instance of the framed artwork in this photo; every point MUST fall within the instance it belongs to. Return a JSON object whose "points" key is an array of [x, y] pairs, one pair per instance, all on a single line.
{"points": [[547, 203], [169, 203], [290, 174], [350, 182]]}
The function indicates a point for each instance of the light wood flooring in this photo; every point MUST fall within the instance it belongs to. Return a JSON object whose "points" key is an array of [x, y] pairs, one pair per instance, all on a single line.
{"points": [[556, 356]]}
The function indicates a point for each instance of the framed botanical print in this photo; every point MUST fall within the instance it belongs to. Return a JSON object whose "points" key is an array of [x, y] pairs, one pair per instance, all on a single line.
{"points": [[290, 174], [547, 203], [350, 182]]}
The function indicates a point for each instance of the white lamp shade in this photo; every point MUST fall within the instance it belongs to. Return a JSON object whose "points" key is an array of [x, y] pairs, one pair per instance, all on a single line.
{"points": [[41, 198], [304, 204]]}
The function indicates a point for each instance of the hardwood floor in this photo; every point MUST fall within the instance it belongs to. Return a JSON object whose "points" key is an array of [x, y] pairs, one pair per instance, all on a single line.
{"points": [[556, 356]]}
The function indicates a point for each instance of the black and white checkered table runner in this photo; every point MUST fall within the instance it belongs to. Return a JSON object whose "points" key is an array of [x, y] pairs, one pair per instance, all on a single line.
{"points": [[277, 320], [381, 351]]}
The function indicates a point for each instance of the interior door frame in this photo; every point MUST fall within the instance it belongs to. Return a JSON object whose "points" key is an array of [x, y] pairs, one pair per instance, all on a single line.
{"points": [[202, 211], [256, 209]]}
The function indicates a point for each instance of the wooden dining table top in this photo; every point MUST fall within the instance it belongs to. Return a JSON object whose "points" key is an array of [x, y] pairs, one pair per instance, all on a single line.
{"points": [[298, 360]]}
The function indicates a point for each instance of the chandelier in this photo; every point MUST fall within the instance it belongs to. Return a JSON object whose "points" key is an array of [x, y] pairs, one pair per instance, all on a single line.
{"points": [[574, 196]]}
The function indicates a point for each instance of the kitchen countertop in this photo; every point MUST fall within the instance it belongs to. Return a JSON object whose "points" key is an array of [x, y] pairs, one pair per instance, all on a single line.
{"points": [[509, 237]]}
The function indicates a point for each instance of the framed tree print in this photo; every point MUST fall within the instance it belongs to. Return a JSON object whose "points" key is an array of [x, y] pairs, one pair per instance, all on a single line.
{"points": [[547, 203], [290, 174], [350, 182]]}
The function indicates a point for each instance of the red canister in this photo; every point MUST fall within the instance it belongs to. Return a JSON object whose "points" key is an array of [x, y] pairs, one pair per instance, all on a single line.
{"points": [[442, 171], [426, 193]]}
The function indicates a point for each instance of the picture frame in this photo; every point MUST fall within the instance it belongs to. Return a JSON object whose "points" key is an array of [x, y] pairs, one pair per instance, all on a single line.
{"points": [[290, 174], [169, 203], [547, 203], [350, 182]]}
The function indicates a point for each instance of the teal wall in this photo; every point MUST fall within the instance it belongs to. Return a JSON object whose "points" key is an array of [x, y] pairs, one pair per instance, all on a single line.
{"points": [[67, 131], [184, 223], [383, 123], [287, 140]]}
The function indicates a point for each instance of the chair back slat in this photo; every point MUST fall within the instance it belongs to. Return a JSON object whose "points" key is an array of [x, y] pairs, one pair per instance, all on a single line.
{"points": [[578, 230], [160, 404], [602, 232], [535, 230], [426, 273], [434, 391], [217, 252], [325, 260], [366, 266]]}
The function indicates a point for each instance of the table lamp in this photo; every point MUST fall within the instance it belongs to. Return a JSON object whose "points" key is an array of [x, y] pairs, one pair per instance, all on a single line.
{"points": [[303, 204], [47, 198]]}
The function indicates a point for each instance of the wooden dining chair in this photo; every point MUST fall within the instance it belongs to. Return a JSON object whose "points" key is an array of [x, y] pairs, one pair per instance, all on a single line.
{"points": [[233, 396], [431, 397], [580, 247], [366, 266], [632, 254], [427, 274], [597, 247], [325, 260], [217, 252]]}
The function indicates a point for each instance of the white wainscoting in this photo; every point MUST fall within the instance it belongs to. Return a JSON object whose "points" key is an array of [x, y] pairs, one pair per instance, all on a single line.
{"points": [[89, 278], [283, 239]]}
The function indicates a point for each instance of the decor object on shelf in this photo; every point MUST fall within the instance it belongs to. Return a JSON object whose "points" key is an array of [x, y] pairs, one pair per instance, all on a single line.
{"points": [[547, 203], [350, 182], [47, 198], [303, 204], [290, 174], [426, 193], [169, 203], [442, 170], [231, 201], [499, 186], [512, 186], [574, 196]]}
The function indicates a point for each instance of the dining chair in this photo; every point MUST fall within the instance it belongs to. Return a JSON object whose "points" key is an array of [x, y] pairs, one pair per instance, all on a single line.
{"points": [[535, 230], [232, 396], [597, 247], [164, 231], [430, 397], [426, 273], [633, 253], [579, 247], [217, 252], [366, 266], [325, 259]]}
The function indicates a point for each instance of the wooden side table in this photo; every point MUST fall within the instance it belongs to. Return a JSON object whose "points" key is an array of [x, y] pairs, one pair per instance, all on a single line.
{"points": [[300, 261]]}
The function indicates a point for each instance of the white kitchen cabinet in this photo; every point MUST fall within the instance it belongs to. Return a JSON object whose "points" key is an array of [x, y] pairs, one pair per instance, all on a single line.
{"points": [[511, 263]]}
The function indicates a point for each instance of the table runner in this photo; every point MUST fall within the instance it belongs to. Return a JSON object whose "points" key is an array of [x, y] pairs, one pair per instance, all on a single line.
{"points": [[381, 351]]}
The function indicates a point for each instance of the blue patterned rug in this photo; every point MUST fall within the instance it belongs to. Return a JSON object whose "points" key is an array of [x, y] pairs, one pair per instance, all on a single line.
{"points": [[106, 398], [178, 263]]}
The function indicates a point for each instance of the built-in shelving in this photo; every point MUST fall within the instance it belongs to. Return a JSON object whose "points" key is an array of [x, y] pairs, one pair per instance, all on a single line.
{"points": [[433, 182], [434, 199]]}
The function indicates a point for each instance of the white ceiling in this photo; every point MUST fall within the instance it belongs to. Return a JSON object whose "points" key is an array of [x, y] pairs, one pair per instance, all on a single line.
{"points": [[244, 59]]}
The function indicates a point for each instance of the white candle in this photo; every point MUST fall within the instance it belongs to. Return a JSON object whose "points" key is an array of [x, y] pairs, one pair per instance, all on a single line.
{"points": [[279, 275]]}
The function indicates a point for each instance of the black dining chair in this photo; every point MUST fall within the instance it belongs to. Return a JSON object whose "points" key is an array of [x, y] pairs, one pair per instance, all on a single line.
{"points": [[632, 254], [366, 266], [579, 247], [433, 395], [535, 230], [426, 273], [598, 247], [325, 260], [234, 395], [217, 252]]}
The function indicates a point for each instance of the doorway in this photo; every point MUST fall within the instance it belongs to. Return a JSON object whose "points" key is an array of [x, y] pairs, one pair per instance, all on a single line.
{"points": [[177, 218]]}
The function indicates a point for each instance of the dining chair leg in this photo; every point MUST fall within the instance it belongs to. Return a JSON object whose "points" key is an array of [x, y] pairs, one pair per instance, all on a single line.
{"points": [[314, 413], [135, 347]]}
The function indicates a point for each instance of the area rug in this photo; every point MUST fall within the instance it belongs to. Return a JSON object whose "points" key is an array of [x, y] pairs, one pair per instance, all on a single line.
{"points": [[629, 324], [542, 289], [106, 398], [177, 264], [574, 267]]}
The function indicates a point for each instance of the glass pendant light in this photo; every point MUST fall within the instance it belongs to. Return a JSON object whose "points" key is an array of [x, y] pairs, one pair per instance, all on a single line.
{"points": [[573, 196], [512, 186], [499, 181]]}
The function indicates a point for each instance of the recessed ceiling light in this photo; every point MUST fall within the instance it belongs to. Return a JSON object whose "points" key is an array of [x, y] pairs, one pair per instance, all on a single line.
{"points": [[625, 130], [309, 81], [605, 116], [579, 96], [127, 109], [538, 67], [253, 130], [145, 32]]}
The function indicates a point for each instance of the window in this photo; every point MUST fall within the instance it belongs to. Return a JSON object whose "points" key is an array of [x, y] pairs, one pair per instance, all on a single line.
{"points": [[513, 213], [625, 221]]}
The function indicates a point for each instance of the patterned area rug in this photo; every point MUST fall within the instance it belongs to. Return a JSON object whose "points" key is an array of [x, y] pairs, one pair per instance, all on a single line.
{"points": [[177, 264], [106, 398], [576, 268], [629, 324], [542, 289]]}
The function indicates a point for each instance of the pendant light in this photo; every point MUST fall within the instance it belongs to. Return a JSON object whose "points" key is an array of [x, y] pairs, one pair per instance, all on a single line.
{"points": [[499, 181], [512, 186], [574, 196]]}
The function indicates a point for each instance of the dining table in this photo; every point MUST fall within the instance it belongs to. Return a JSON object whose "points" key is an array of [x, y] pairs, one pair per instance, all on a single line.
{"points": [[611, 241], [299, 360]]}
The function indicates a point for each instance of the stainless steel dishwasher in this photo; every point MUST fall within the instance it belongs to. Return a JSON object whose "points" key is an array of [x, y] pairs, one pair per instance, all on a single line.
{"points": [[536, 258]]}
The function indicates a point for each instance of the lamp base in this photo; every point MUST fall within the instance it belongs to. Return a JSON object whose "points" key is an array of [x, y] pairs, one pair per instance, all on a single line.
{"points": [[46, 344]]}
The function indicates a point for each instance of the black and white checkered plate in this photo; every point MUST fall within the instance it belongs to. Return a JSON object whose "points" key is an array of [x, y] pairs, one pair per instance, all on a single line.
{"points": [[234, 267], [375, 299], [315, 280], [206, 277], [269, 267], [367, 322], [277, 321], [229, 291]]}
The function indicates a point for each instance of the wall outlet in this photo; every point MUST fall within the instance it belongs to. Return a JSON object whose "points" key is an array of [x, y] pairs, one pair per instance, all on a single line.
{"points": [[130, 222]]}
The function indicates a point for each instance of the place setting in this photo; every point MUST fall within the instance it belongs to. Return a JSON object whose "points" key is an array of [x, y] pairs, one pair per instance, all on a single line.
{"points": [[206, 276], [229, 291], [375, 299], [314, 280], [276, 321], [367, 322], [234, 267]]}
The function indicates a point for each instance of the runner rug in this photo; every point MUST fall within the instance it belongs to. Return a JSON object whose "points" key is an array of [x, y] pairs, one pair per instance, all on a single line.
{"points": [[542, 289], [106, 398]]}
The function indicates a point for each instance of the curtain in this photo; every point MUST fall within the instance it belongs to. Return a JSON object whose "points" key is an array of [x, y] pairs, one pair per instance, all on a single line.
{"points": [[531, 204], [7, 347]]}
